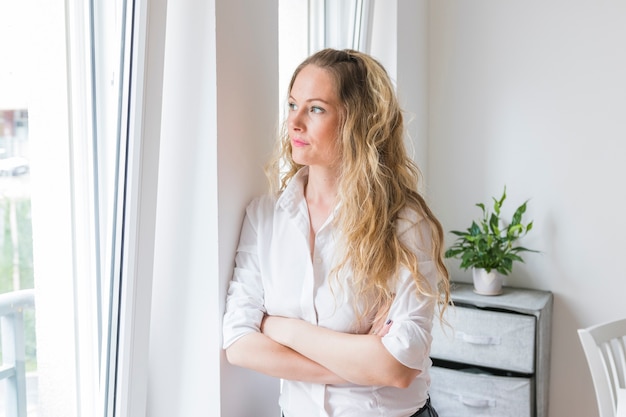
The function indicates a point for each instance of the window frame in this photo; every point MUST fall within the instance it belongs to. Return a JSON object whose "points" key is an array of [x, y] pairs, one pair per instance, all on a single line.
{"points": [[140, 197]]}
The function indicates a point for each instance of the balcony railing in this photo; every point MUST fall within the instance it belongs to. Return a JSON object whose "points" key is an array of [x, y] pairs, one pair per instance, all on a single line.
{"points": [[13, 368]]}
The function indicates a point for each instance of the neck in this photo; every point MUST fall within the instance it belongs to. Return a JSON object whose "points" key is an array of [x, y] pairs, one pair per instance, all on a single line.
{"points": [[321, 186], [320, 193]]}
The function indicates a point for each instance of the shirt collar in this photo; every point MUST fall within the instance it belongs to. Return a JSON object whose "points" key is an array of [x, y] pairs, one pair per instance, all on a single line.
{"points": [[291, 199]]}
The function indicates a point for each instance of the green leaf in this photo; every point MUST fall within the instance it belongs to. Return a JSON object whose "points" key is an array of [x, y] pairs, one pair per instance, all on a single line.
{"points": [[497, 204], [514, 230], [474, 230], [451, 253], [458, 233], [523, 249], [494, 223], [517, 216]]}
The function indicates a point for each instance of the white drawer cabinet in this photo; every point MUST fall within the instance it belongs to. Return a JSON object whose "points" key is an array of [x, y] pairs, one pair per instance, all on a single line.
{"points": [[465, 393], [482, 338], [494, 358]]}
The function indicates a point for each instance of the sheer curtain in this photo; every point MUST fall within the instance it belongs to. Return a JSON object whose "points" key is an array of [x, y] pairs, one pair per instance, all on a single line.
{"points": [[340, 24]]}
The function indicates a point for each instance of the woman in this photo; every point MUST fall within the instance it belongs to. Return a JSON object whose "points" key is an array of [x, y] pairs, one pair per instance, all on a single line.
{"points": [[338, 273]]}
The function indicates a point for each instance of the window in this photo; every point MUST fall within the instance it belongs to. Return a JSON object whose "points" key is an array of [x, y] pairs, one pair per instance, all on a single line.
{"points": [[340, 24], [66, 149]]}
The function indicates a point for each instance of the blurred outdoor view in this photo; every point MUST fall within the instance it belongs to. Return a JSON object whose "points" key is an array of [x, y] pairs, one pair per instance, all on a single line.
{"points": [[16, 238], [16, 246], [16, 243]]}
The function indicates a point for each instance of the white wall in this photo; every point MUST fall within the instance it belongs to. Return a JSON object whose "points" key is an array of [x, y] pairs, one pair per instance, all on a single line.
{"points": [[219, 112], [532, 94], [247, 93]]}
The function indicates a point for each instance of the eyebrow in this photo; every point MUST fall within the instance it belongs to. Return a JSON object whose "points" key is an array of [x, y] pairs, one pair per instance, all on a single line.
{"points": [[310, 100]]}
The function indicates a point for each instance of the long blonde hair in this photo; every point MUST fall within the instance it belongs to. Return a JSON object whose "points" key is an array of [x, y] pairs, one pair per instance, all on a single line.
{"points": [[377, 181]]}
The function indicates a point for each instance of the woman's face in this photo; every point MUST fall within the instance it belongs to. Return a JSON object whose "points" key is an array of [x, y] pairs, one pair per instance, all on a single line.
{"points": [[314, 117]]}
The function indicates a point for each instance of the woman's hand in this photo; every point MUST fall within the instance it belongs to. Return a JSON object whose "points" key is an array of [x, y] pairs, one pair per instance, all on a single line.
{"points": [[381, 329], [382, 324]]}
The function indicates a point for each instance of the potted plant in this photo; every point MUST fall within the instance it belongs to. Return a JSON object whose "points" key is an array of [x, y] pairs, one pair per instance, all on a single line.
{"points": [[489, 247]]}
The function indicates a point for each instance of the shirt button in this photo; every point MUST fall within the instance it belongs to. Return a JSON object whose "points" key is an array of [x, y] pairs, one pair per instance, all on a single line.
{"points": [[318, 260]]}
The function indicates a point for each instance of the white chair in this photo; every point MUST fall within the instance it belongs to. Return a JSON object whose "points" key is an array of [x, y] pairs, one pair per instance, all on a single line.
{"points": [[605, 349]]}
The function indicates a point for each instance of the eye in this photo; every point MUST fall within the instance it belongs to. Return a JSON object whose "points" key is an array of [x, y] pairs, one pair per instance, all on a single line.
{"points": [[292, 106], [317, 109]]}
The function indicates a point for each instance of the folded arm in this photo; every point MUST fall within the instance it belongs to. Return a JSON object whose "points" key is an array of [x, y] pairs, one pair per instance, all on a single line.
{"points": [[358, 358], [260, 353]]}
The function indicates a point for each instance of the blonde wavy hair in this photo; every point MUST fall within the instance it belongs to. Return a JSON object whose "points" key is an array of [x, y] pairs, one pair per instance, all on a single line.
{"points": [[377, 182]]}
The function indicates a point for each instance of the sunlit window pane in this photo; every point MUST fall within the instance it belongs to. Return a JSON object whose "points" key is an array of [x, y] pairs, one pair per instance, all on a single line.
{"points": [[60, 159]]}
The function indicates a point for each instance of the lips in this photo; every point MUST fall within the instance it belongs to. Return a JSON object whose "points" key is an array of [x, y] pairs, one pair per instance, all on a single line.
{"points": [[298, 143]]}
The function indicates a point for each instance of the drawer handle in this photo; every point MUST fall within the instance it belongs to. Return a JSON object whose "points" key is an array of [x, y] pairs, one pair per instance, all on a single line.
{"points": [[477, 403], [478, 340]]}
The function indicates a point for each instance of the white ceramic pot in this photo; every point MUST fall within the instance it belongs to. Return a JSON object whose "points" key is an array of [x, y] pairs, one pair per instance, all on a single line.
{"points": [[487, 283]]}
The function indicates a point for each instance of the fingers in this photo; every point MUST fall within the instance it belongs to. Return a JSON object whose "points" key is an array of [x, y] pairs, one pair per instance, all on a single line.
{"points": [[382, 330], [385, 329]]}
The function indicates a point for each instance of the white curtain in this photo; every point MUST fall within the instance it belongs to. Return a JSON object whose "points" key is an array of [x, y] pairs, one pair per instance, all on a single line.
{"points": [[340, 24]]}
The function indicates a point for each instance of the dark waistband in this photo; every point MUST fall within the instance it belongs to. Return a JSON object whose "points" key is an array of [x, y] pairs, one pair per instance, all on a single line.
{"points": [[422, 411]]}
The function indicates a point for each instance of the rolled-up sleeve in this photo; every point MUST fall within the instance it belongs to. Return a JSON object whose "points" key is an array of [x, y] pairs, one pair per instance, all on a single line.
{"points": [[245, 297], [409, 337]]}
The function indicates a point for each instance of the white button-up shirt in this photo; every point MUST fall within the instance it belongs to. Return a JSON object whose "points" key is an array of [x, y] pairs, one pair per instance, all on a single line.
{"points": [[275, 273]]}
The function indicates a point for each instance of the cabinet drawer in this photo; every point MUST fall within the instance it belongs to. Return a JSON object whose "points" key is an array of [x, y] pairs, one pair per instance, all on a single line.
{"points": [[456, 393], [492, 339]]}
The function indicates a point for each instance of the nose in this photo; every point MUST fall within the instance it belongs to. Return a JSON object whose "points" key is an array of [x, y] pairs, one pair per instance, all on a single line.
{"points": [[295, 121]]}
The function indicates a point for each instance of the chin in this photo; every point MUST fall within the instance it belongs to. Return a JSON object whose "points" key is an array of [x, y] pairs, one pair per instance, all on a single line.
{"points": [[299, 160]]}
